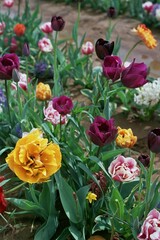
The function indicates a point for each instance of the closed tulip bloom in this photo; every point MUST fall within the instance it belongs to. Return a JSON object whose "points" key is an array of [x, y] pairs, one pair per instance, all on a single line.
{"points": [[103, 48], [102, 131], [87, 48], [111, 12], [144, 159], [57, 23], [8, 62], [154, 140], [125, 138], [8, 3], [46, 27], [26, 50], [62, 104], [112, 67], [2, 27], [43, 91], [134, 75], [19, 29]]}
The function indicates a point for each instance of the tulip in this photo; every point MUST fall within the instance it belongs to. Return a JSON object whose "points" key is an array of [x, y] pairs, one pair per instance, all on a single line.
{"points": [[102, 131], [19, 29], [87, 48], [62, 104], [144, 159], [3, 202], [45, 45], [2, 27], [103, 48], [57, 23], [26, 50], [111, 12], [125, 138], [112, 67], [154, 140], [46, 27], [7, 63], [134, 75], [8, 3], [102, 183], [43, 91]]}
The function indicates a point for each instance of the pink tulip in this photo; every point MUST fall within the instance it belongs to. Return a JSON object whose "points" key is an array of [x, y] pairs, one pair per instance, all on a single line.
{"points": [[23, 82], [151, 226], [2, 27], [46, 27], [87, 48], [45, 45], [8, 3], [53, 115], [123, 169]]}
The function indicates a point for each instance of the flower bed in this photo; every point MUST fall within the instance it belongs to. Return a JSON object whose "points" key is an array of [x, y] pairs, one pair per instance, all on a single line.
{"points": [[68, 163]]}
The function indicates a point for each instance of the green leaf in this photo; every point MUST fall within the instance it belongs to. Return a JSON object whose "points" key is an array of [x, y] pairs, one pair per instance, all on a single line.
{"points": [[5, 149], [116, 204], [76, 233], [113, 153], [70, 203]]}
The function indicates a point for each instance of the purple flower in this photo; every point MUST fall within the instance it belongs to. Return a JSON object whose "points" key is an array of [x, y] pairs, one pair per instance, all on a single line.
{"points": [[8, 62], [62, 104], [111, 12], [43, 70], [144, 159], [112, 67], [154, 140], [102, 131], [26, 50], [134, 75], [103, 48], [57, 23]]}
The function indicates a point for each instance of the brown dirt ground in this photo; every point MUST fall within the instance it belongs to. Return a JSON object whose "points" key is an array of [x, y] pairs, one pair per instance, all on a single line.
{"points": [[94, 24]]}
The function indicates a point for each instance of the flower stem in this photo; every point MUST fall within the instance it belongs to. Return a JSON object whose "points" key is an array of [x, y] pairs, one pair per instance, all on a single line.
{"points": [[148, 183], [7, 96], [57, 88], [129, 52]]}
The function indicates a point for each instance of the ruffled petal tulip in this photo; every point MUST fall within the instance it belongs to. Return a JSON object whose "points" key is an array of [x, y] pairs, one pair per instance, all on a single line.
{"points": [[102, 131], [123, 169], [125, 138], [34, 160], [112, 67], [43, 91], [45, 45], [2, 27], [103, 48], [57, 23], [134, 75], [154, 140], [7, 63], [151, 226], [62, 104], [19, 29]]}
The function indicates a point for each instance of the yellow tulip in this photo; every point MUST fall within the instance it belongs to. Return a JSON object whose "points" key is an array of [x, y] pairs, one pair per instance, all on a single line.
{"points": [[43, 91], [91, 197], [125, 138], [34, 160]]}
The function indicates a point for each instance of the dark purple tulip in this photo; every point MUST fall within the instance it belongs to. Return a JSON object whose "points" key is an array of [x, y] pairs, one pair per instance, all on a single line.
{"points": [[26, 50], [103, 48], [8, 62], [57, 23], [134, 75], [144, 159], [102, 131], [154, 140], [112, 67], [62, 104], [111, 12]]}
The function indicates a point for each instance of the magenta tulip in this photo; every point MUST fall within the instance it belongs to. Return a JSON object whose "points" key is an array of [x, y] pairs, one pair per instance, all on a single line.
{"points": [[8, 62], [134, 75], [62, 104], [112, 67]]}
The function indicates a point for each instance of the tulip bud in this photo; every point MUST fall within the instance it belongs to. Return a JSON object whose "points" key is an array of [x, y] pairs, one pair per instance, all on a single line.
{"points": [[26, 50], [154, 140], [144, 159], [103, 48], [57, 23], [15, 75], [111, 12]]}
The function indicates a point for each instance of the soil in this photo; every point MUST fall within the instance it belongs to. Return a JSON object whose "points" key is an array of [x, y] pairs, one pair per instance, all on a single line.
{"points": [[95, 25]]}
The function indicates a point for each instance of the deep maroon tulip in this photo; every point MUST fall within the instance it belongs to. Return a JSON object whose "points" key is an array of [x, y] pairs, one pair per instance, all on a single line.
{"points": [[62, 104], [102, 131], [134, 75], [103, 48], [8, 62], [57, 23], [111, 12], [144, 159], [154, 140], [112, 67]]}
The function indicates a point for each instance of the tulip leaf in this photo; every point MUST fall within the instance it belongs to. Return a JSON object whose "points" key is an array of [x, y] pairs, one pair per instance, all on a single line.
{"points": [[70, 201], [116, 204], [113, 153]]}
